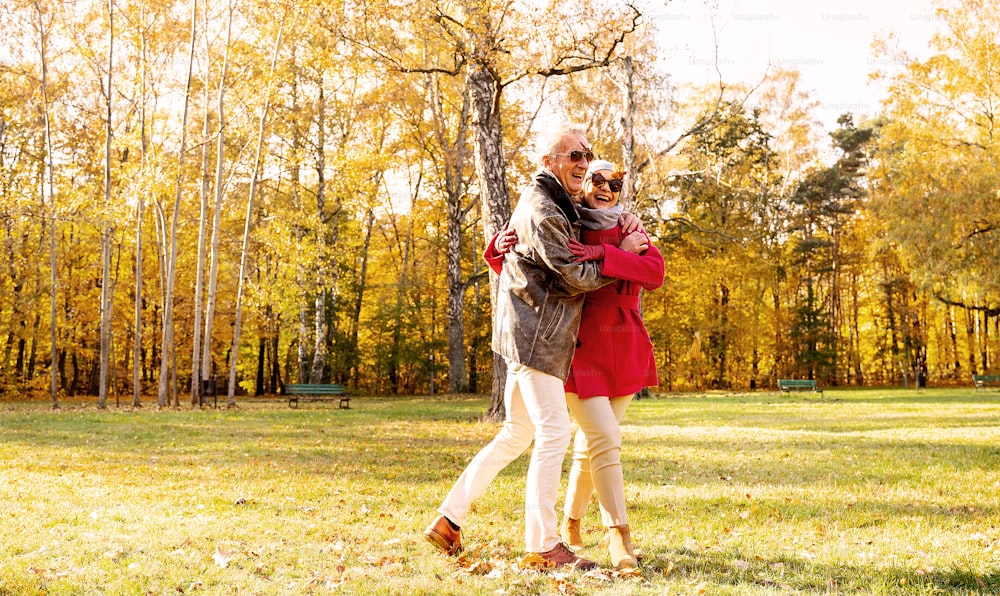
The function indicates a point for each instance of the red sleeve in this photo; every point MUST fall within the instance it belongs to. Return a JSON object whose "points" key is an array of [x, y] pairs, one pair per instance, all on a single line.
{"points": [[493, 258], [645, 269]]}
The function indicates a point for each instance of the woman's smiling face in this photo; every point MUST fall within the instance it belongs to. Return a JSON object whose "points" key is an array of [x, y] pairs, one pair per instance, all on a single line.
{"points": [[599, 197]]}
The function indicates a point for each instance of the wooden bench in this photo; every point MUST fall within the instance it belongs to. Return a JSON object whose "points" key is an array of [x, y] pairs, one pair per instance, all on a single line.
{"points": [[788, 385], [317, 392], [981, 381]]}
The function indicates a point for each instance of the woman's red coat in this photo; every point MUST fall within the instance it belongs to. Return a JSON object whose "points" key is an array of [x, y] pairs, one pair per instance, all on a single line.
{"points": [[614, 355]]}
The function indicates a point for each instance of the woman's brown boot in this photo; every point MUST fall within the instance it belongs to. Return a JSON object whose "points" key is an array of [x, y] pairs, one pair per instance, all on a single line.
{"points": [[620, 545], [571, 532]]}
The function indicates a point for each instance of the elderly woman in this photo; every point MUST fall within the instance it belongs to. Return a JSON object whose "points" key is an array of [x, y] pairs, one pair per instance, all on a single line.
{"points": [[613, 360]]}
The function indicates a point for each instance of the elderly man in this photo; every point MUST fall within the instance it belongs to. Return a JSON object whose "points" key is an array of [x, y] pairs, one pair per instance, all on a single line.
{"points": [[539, 302]]}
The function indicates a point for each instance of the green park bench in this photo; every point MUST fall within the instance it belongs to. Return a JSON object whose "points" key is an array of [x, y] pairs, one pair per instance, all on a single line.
{"points": [[982, 381], [317, 392], [788, 385]]}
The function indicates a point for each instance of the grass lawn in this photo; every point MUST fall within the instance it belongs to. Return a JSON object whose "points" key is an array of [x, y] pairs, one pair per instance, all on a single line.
{"points": [[857, 492]]}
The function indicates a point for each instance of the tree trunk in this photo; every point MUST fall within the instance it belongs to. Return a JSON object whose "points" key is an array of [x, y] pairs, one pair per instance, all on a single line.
{"points": [[139, 215], [319, 312], [859, 375], [458, 378], [261, 363], [362, 277], [401, 288], [490, 168], [984, 341], [302, 351], [48, 183], [107, 296], [275, 375], [970, 336], [199, 281], [207, 368], [628, 135], [168, 350]]}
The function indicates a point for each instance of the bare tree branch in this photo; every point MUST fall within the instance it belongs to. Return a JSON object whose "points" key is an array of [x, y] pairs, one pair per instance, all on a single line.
{"points": [[990, 311], [585, 63]]}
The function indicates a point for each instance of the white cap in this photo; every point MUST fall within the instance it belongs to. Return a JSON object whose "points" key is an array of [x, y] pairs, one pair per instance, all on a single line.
{"points": [[597, 165]]}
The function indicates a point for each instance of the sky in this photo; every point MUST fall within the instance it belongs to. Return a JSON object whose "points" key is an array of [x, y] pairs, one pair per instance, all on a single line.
{"points": [[829, 42]]}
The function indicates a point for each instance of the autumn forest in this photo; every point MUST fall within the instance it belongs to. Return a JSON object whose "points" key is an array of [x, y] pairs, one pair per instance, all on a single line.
{"points": [[226, 196]]}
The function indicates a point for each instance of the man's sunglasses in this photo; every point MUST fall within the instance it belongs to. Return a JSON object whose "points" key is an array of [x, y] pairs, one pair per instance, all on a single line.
{"points": [[575, 156], [614, 184]]}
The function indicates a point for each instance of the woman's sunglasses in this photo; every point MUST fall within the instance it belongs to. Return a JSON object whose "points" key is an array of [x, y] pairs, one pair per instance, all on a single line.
{"points": [[614, 184], [575, 156]]}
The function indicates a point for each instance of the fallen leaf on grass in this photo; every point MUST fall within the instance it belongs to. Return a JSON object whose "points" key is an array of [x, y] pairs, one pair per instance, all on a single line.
{"points": [[534, 562], [472, 564], [478, 568], [628, 572], [222, 556], [563, 585]]}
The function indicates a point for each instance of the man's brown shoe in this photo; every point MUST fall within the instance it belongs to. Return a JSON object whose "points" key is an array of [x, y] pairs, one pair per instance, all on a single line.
{"points": [[442, 535], [562, 556]]}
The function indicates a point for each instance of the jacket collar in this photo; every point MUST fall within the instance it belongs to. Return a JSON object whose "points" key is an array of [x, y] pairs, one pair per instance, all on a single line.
{"points": [[555, 191]]}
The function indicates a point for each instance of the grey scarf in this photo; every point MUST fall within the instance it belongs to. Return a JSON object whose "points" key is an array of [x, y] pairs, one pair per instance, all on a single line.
{"points": [[599, 219]]}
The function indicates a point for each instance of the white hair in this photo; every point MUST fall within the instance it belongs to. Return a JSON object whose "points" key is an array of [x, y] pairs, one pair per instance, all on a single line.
{"points": [[549, 141]]}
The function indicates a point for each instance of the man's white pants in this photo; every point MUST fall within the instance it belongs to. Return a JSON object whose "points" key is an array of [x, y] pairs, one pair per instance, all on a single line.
{"points": [[536, 410]]}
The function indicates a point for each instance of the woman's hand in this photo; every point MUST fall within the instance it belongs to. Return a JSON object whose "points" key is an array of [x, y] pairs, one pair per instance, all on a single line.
{"points": [[505, 240], [586, 252]]}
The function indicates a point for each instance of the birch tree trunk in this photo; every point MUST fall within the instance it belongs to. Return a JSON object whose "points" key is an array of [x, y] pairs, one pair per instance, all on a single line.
{"points": [[628, 134], [168, 354], [107, 296], [213, 269], [458, 377], [140, 212], [201, 362], [319, 312], [48, 183], [302, 351], [490, 167], [199, 284], [458, 381], [234, 358]]}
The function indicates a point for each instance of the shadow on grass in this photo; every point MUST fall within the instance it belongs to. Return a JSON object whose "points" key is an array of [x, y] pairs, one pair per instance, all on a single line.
{"points": [[836, 395], [799, 575]]}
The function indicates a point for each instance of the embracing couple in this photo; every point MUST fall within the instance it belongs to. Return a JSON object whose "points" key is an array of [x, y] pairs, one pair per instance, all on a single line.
{"points": [[568, 325]]}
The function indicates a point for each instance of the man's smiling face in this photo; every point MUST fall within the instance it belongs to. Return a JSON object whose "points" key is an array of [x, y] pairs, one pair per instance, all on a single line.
{"points": [[569, 173]]}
